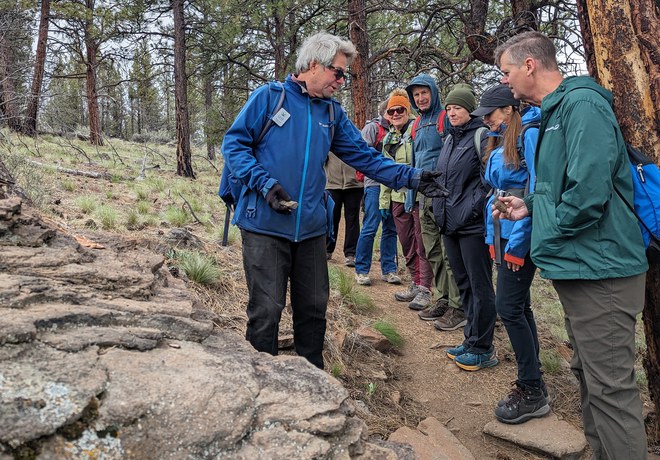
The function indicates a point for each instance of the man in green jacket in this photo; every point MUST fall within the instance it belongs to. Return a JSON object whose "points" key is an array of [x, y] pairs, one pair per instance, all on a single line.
{"points": [[584, 238]]}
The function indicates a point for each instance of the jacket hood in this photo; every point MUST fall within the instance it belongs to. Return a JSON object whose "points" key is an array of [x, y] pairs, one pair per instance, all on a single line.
{"points": [[425, 80], [571, 83], [530, 115]]}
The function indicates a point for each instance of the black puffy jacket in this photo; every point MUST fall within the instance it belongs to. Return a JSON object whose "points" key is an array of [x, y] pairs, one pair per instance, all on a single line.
{"points": [[462, 212]]}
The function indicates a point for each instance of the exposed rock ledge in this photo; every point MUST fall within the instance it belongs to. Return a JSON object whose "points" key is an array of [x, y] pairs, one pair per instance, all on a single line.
{"points": [[100, 358]]}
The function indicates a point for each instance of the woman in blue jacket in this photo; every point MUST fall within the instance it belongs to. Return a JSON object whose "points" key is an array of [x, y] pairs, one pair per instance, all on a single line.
{"points": [[510, 171]]}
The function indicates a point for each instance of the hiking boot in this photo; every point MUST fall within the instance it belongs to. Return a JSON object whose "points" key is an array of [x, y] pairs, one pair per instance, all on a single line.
{"points": [[435, 311], [525, 403], [451, 320], [350, 261], [408, 295], [391, 278], [476, 361], [363, 279], [452, 353], [422, 300], [507, 399]]}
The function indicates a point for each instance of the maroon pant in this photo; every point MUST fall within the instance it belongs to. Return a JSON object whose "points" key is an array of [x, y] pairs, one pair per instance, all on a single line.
{"points": [[409, 231]]}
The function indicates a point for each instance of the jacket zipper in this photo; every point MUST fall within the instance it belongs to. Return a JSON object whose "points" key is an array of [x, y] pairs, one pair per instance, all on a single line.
{"points": [[304, 172]]}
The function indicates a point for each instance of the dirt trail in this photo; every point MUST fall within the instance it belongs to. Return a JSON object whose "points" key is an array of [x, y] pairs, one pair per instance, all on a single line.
{"points": [[462, 400]]}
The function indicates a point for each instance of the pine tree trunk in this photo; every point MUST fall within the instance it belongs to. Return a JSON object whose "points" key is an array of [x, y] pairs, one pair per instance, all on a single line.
{"points": [[183, 150], [30, 125], [357, 20], [91, 46], [622, 39], [8, 96]]}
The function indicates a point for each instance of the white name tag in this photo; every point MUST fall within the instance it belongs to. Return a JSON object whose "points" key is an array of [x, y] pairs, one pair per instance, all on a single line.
{"points": [[281, 117]]}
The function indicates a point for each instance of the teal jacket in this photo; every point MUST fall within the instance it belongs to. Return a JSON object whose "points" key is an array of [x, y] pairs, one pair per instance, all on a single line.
{"points": [[580, 227]]}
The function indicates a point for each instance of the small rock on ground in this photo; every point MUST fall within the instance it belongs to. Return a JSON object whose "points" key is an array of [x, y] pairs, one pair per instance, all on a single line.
{"points": [[432, 441], [560, 439]]}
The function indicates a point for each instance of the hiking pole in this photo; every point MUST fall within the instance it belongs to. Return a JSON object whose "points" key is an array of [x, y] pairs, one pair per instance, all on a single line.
{"points": [[225, 233]]}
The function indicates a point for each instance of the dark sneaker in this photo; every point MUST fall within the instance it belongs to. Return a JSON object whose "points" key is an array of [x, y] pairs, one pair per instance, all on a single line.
{"points": [[350, 261], [504, 401], [476, 361], [434, 312], [525, 403], [408, 295], [453, 352], [422, 300], [451, 320]]}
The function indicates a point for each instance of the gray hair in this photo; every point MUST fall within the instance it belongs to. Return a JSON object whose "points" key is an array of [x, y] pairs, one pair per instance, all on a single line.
{"points": [[529, 44], [323, 48], [382, 107]]}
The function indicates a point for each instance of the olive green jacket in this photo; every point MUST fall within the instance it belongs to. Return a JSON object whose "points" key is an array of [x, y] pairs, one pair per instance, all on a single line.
{"points": [[397, 146], [581, 229]]}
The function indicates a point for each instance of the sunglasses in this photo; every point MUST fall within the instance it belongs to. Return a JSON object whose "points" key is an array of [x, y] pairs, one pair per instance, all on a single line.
{"points": [[398, 110], [339, 73]]}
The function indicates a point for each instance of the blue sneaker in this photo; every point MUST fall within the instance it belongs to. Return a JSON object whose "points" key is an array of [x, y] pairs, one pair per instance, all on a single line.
{"points": [[452, 353], [476, 361]]}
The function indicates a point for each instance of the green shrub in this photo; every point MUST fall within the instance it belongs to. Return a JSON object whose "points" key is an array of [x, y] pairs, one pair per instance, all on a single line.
{"points": [[87, 204], [389, 332], [107, 216], [198, 267], [68, 185], [551, 361], [143, 207], [176, 216]]}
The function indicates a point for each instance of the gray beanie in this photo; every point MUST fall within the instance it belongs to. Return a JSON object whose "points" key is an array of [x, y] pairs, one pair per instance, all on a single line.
{"points": [[462, 95]]}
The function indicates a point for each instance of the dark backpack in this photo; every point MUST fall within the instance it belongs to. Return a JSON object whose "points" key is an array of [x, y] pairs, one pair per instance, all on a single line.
{"points": [[442, 116], [230, 187], [646, 200], [359, 176]]}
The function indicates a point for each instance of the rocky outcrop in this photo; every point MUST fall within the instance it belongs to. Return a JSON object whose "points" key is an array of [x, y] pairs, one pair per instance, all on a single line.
{"points": [[100, 357]]}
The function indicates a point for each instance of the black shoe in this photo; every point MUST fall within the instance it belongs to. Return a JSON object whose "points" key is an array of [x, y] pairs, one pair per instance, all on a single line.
{"points": [[504, 401], [524, 403]]}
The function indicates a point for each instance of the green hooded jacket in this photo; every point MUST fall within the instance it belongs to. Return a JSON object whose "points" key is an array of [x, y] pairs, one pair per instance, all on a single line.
{"points": [[580, 227]]}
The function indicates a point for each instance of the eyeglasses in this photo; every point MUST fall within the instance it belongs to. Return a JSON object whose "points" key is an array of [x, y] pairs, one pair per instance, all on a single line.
{"points": [[398, 110], [339, 73]]}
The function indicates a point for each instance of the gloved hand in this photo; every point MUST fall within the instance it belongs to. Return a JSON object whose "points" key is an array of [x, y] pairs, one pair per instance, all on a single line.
{"points": [[429, 187], [275, 196], [385, 213]]}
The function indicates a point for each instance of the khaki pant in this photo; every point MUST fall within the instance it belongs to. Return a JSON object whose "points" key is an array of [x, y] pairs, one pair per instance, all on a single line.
{"points": [[600, 321], [444, 284]]}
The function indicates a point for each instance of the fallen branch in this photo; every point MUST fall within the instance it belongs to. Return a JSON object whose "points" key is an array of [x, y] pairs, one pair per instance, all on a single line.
{"points": [[75, 172], [191, 209]]}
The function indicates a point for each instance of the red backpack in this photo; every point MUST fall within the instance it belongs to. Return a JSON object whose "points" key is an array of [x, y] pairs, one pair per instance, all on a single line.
{"points": [[379, 137], [441, 123]]}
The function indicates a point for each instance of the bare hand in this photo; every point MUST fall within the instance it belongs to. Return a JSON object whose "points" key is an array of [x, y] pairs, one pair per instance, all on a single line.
{"points": [[512, 266], [515, 208]]}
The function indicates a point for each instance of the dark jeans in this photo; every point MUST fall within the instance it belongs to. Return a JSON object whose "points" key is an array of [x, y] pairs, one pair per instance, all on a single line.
{"points": [[470, 261], [513, 304], [269, 264], [350, 200]]}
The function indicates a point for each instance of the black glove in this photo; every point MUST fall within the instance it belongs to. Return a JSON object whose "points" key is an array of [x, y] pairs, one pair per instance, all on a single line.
{"points": [[275, 196], [430, 187]]}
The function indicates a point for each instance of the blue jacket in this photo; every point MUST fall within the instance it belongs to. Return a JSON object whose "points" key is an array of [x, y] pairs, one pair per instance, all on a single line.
{"points": [[428, 142], [293, 155], [502, 177]]}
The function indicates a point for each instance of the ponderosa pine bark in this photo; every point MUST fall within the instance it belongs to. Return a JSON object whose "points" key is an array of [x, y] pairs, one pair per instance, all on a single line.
{"points": [[183, 150], [30, 123], [357, 26]]}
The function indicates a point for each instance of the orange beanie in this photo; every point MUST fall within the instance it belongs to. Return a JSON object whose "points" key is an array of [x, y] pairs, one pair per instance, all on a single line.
{"points": [[399, 97]]}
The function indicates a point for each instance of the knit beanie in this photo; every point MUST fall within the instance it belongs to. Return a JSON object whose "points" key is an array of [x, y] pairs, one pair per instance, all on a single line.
{"points": [[462, 95], [399, 97]]}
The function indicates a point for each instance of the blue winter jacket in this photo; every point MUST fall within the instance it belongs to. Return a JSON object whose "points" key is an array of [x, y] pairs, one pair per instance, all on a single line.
{"points": [[503, 177], [428, 142], [292, 154]]}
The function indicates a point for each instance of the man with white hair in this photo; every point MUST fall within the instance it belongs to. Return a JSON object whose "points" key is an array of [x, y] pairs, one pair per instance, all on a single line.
{"points": [[283, 211]]}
